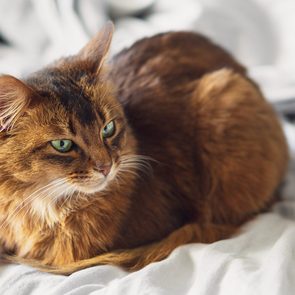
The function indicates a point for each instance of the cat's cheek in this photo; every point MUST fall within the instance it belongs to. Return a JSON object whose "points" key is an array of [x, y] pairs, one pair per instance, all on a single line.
{"points": [[124, 142], [23, 176], [31, 175]]}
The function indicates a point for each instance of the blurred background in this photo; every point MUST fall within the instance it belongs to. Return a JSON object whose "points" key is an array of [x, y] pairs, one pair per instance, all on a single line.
{"points": [[260, 33]]}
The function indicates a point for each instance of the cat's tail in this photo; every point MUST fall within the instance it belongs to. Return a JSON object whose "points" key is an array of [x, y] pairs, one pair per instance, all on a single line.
{"points": [[136, 258]]}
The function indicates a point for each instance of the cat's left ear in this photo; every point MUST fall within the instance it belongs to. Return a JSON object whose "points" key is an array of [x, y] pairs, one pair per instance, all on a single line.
{"points": [[15, 97], [97, 48]]}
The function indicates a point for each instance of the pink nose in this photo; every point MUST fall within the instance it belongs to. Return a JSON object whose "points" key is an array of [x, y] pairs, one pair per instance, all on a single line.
{"points": [[104, 169]]}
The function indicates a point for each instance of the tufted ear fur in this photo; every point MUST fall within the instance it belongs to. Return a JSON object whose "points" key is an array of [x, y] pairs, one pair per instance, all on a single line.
{"points": [[15, 97], [96, 50]]}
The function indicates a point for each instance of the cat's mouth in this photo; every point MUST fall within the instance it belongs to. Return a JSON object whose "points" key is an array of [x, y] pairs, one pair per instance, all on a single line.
{"points": [[95, 184]]}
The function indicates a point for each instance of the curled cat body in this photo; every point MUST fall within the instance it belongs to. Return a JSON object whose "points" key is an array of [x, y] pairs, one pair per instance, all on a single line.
{"points": [[121, 162]]}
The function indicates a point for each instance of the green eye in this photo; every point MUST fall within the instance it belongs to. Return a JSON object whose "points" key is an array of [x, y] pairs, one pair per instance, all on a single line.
{"points": [[108, 130], [62, 145]]}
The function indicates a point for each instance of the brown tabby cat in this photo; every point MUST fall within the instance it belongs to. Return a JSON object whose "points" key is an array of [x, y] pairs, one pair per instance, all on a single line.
{"points": [[171, 144]]}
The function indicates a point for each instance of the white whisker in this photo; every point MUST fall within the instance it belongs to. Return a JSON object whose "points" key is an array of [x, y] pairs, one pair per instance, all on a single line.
{"points": [[133, 164]]}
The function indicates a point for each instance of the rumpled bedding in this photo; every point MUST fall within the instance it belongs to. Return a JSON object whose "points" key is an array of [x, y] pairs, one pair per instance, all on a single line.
{"points": [[258, 260]]}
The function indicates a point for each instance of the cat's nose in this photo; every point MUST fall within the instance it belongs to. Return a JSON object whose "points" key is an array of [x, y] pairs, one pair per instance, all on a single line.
{"points": [[104, 168]]}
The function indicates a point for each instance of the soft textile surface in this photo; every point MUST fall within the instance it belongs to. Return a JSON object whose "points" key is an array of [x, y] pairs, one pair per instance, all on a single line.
{"points": [[259, 260]]}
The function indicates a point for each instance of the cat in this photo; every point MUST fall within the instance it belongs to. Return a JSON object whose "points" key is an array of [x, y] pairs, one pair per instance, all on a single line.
{"points": [[120, 162]]}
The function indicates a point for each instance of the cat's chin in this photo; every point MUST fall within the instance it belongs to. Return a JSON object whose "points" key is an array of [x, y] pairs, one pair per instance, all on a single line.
{"points": [[95, 187], [92, 189]]}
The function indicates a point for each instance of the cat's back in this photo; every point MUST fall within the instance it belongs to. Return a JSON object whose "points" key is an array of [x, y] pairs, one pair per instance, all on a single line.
{"points": [[172, 58]]}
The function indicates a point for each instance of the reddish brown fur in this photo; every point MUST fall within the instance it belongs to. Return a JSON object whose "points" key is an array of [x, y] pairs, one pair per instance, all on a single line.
{"points": [[216, 150]]}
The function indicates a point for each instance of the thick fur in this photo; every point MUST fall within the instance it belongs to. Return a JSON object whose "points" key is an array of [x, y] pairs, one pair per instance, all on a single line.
{"points": [[197, 152]]}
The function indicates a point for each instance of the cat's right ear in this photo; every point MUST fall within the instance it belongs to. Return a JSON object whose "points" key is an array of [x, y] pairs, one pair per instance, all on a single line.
{"points": [[96, 50], [15, 97]]}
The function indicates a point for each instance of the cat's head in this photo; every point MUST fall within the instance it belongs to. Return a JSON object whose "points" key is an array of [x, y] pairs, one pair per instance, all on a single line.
{"points": [[62, 129]]}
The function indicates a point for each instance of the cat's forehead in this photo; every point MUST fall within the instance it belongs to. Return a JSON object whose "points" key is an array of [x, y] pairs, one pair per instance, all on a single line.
{"points": [[70, 91]]}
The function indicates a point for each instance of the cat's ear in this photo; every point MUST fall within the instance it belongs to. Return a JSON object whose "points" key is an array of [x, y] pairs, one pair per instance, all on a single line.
{"points": [[97, 48], [15, 97]]}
